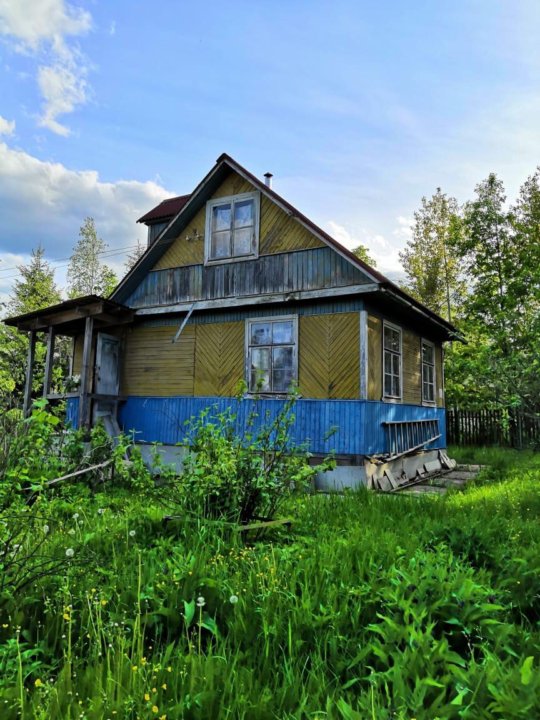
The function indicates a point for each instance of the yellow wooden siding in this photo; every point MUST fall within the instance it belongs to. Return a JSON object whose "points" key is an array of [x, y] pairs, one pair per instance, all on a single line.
{"points": [[374, 358], [219, 358], [412, 370], [329, 356], [153, 365], [277, 231], [439, 375], [77, 354]]}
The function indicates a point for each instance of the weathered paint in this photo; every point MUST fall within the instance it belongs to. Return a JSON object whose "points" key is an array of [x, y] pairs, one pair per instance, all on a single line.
{"points": [[72, 412], [357, 424], [329, 356], [305, 270], [278, 231]]}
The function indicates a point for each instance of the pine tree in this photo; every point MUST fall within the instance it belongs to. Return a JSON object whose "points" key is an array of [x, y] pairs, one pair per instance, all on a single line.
{"points": [[87, 274], [433, 271], [34, 290], [134, 256]]}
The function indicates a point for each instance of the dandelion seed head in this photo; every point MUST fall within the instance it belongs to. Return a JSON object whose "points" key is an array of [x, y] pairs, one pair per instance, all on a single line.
{"points": [[201, 602], [70, 552], [233, 599]]}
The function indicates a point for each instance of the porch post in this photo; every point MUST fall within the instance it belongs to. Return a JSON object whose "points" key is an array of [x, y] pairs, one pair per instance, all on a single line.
{"points": [[48, 362], [27, 403], [364, 355], [84, 399]]}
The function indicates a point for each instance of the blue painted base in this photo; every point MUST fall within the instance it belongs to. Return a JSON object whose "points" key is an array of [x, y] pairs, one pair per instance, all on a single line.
{"points": [[347, 427]]}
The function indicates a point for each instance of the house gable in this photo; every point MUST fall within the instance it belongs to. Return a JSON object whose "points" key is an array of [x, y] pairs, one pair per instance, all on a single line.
{"points": [[278, 232]]}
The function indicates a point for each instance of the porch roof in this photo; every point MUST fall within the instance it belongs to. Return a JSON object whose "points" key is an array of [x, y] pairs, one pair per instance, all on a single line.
{"points": [[68, 317]]}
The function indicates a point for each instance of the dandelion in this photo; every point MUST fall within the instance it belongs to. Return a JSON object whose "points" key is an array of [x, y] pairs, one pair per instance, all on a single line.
{"points": [[70, 552], [38, 683], [76, 516], [134, 668], [155, 709], [164, 686], [201, 602], [46, 529], [233, 599], [147, 696], [132, 533], [104, 602]]}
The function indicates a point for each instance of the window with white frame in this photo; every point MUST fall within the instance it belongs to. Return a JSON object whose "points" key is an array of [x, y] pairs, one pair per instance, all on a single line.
{"points": [[271, 361], [428, 372], [232, 227], [392, 361]]}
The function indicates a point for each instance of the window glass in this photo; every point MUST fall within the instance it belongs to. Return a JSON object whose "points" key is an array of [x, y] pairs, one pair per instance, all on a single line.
{"points": [[261, 334], [243, 213], [428, 372], [282, 332], [242, 241], [221, 244], [392, 362], [221, 219], [271, 355]]}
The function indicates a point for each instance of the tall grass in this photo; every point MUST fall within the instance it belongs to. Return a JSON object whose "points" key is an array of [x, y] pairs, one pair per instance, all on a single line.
{"points": [[371, 607]]}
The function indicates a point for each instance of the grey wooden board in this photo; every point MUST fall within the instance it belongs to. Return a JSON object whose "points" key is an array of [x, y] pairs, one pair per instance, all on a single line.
{"points": [[432, 466]]}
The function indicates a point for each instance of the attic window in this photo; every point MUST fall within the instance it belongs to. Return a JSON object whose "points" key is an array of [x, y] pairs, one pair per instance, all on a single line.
{"points": [[232, 228]]}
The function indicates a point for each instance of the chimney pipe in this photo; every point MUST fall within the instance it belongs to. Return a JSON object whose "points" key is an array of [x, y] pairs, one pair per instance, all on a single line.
{"points": [[268, 179]]}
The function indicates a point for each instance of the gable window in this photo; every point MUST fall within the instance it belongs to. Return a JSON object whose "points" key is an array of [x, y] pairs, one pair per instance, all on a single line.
{"points": [[232, 227], [392, 361], [428, 372], [271, 354]]}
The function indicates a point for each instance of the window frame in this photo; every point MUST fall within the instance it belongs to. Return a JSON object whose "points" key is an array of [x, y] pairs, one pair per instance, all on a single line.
{"points": [[385, 397], [429, 343], [232, 199], [247, 352]]}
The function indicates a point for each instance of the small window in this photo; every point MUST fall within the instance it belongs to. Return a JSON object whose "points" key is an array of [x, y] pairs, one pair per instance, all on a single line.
{"points": [[428, 372], [232, 228], [271, 355], [392, 362]]}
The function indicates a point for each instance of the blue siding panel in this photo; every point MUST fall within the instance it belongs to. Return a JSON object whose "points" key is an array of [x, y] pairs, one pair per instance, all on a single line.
{"points": [[72, 412], [357, 424]]}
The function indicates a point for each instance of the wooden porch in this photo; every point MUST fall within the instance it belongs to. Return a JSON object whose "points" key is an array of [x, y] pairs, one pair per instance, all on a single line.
{"points": [[85, 316]]}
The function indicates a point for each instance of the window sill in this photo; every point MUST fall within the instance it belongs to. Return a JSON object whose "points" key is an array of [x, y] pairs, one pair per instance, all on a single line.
{"points": [[229, 260], [393, 400]]}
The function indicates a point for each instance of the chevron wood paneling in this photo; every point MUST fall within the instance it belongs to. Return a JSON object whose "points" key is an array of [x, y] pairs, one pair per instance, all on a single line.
{"points": [[412, 369], [219, 359], [375, 358], [329, 356]]}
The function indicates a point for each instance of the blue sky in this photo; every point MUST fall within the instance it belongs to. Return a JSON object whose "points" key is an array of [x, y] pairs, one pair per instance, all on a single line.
{"points": [[358, 108]]}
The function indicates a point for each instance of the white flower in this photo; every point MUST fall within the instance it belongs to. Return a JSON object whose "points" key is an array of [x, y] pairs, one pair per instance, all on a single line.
{"points": [[233, 599], [71, 531], [132, 533], [46, 529], [76, 516], [201, 602], [100, 511], [70, 552]]}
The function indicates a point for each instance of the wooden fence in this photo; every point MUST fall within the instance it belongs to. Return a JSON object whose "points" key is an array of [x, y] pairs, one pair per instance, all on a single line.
{"points": [[505, 427]]}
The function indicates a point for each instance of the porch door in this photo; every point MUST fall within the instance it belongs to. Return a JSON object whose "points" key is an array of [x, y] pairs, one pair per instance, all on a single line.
{"points": [[107, 365]]}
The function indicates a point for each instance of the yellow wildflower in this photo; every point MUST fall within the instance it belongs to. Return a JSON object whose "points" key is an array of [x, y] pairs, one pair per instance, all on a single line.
{"points": [[147, 696], [164, 686], [155, 709], [134, 668], [38, 683], [104, 602]]}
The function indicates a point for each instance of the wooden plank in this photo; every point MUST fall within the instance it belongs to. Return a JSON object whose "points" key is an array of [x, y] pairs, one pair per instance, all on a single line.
{"points": [[264, 525], [27, 402], [47, 375], [85, 389]]}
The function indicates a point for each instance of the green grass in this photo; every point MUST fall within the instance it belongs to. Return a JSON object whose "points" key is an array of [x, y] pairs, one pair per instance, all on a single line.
{"points": [[371, 607]]}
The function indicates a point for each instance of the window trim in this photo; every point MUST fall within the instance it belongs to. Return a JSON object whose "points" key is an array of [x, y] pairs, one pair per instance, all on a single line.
{"points": [[424, 341], [256, 197], [385, 397], [247, 356]]}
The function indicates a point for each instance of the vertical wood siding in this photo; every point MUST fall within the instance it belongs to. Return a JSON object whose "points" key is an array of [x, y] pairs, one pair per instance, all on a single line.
{"points": [[278, 232], [154, 365], [219, 358], [329, 356]]}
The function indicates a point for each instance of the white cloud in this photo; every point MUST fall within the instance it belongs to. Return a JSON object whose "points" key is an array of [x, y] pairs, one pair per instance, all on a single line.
{"points": [[41, 28], [385, 253], [7, 127], [45, 202]]}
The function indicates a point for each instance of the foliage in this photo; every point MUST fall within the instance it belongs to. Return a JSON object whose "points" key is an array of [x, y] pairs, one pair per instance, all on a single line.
{"points": [[134, 255], [238, 475], [362, 252], [34, 290], [375, 607], [433, 271], [87, 274]]}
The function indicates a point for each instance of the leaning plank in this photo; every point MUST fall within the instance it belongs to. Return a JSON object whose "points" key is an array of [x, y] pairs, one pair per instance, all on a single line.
{"points": [[76, 474], [263, 525]]}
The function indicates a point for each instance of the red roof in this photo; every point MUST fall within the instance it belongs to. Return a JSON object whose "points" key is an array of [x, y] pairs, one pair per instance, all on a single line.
{"points": [[166, 209]]}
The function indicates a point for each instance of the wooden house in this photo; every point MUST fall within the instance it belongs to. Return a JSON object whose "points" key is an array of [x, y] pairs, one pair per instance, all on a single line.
{"points": [[237, 286]]}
